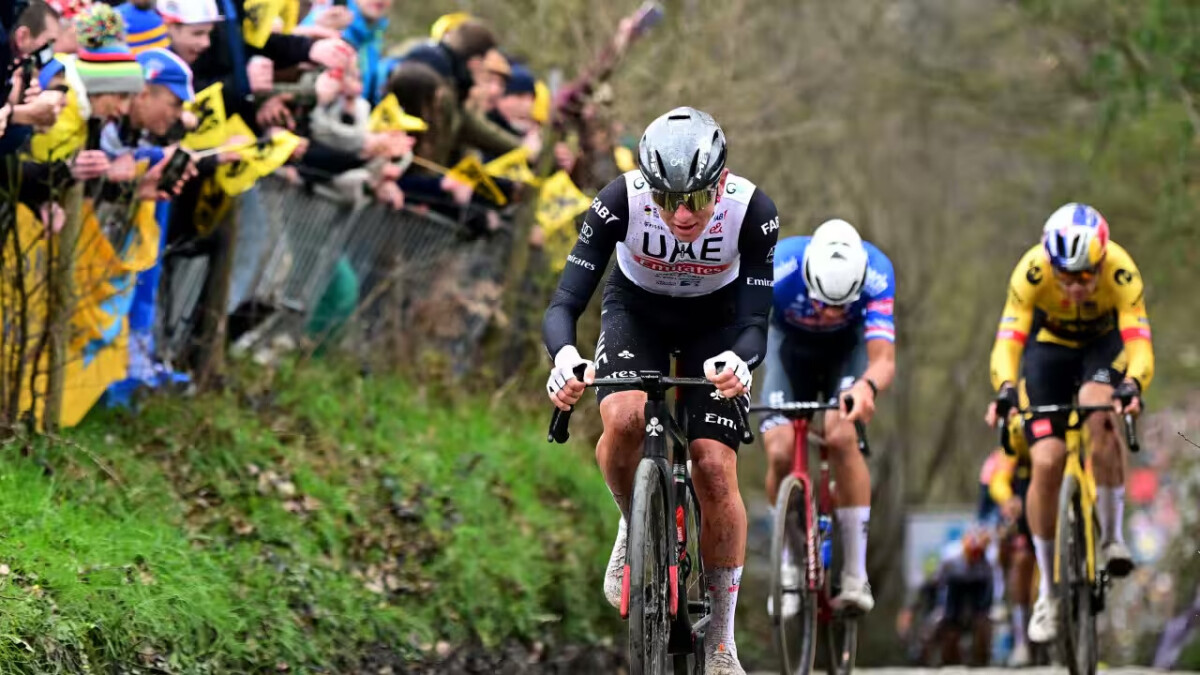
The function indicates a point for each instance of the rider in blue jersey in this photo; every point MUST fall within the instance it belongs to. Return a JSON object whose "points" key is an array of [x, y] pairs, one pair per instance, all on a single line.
{"points": [[831, 333]]}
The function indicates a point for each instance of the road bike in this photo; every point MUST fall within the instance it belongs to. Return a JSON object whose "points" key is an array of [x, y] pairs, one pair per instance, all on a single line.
{"points": [[1079, 583], [803, 533], [664, 591]]}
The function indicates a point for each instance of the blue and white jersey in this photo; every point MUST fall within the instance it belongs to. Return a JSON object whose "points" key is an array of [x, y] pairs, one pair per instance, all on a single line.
{"points": [[793, 311]]}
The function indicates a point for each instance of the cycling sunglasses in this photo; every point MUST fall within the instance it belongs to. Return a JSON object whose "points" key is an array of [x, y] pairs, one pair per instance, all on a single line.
{"points": [[694, 201], [1083, 277], [822, 306]]}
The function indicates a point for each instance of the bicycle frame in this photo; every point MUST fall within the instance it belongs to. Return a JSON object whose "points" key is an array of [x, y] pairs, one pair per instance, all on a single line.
{"points": [[826, 504], [1077, 460]]}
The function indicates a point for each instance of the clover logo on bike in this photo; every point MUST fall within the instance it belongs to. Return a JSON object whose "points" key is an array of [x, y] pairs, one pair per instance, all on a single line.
{"points": [[654, 428]]}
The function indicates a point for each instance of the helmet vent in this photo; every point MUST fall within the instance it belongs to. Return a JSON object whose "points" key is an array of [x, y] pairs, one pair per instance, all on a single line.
{"points": [[680, 117], [695, 168]]}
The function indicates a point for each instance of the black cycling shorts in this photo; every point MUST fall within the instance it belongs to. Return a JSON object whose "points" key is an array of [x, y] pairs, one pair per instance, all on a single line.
{"points": [[640, 331], [802, 366], [1054, 373]]}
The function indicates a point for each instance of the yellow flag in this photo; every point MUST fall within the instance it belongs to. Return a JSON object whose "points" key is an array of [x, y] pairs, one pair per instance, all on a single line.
{"points": [[389, 116], [559, 202], [513, 166], [257, 161], [471, 172], [211, 206], [291, 16], [260, 19], [209, 109]]}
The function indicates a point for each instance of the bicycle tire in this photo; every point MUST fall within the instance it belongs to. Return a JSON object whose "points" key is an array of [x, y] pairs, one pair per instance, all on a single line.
{"points": [[648, 560], [795, 636], [1077, 618], [842, 632]]}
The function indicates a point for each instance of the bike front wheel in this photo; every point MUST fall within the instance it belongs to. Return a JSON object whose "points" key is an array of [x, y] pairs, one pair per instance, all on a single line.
{"points": [[649, 580], [793, 607], [1077, 616]]}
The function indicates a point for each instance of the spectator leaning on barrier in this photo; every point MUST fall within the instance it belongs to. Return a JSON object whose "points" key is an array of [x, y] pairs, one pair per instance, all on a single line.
{"points": [[36, 27], [190, 25], [342, 119], [67, 10], [144, 26], [362, 24]]}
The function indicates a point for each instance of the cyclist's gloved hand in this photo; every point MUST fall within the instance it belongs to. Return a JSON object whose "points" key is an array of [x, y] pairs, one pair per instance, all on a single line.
{"points": [[1127, 397], [1007, 400], [734, 378], [564, 387]]}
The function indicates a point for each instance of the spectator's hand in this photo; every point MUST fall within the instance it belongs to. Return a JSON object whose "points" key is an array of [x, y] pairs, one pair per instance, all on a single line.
{"points": [[189, 120], [461, 192], [123, 168], [332, 53], [261, 72], [329, 86], [41, 113], [387, 144], [32, 91], [564, 157], [5, 113], [390, 172], [275, 113], [148, 187], [89, 164], [53, 217], [335, 18], [533, 143], [389, 193], [301, 149], [624, 34], [537, 237]]}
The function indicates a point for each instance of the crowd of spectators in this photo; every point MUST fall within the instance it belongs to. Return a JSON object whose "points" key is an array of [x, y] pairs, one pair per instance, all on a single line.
{"points": [[106, 94]]}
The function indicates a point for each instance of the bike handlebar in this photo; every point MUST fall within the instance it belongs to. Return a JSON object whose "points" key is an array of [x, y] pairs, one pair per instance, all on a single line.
{"points": [[1130, 421], [796, 407], [561, 419]]}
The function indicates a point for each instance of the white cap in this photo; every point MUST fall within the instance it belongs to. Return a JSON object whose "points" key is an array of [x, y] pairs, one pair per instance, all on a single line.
{"points": [[189, 11]]}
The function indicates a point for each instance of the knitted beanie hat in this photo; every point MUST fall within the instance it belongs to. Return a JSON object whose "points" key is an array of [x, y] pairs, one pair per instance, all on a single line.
{"points": [[105, 63]]}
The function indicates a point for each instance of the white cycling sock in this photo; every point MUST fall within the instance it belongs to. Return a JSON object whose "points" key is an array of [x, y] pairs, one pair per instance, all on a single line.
{"points": [[1018, 619], [723, 585], [1110, 507], [853, 522], [1044, 549]]}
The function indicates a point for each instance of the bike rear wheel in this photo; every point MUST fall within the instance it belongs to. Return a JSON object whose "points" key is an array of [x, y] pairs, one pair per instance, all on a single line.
{"points": [[1077, 618], [649, 581], [841, 632], [693, 595], [795, 634]]}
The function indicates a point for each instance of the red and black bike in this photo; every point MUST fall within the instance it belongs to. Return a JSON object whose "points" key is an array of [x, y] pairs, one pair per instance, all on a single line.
{"points": [[802, 578]]}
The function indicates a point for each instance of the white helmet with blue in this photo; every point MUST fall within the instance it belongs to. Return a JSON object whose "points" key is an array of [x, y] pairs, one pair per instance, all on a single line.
{"points": [[1075, 238], [835, 264]]}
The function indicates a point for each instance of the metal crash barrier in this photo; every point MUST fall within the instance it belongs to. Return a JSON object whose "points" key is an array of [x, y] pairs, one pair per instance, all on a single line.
{"points": [[418, 276]]}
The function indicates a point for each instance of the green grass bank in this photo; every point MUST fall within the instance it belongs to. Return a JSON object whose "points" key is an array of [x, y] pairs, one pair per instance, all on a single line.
{"points": [[307, 521]]}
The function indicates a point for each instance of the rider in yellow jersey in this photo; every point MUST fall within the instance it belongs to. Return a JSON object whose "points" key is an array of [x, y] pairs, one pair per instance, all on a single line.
{"points": [[1075, 313]]}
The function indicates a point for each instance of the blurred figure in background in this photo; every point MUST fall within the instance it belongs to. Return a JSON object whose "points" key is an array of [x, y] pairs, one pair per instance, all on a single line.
{"points": [[189, 26], [144, 26], [362, 24]]}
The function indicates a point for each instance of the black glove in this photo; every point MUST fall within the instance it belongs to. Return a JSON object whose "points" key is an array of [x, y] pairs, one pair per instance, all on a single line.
{"points": [[1127, 391], [1007, 400]]}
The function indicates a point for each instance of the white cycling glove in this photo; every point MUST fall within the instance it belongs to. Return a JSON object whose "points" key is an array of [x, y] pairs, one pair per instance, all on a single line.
{"points": [[565, 363], [730, 361]]}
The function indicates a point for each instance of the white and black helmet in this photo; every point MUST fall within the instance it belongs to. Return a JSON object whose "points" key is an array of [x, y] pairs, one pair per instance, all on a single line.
{"points": [[835, 264], [682, 151]]}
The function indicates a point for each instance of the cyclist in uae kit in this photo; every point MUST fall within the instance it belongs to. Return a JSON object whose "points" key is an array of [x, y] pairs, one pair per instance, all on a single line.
{"points": [[1076, 314], [693, 276], [831, 334]]}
